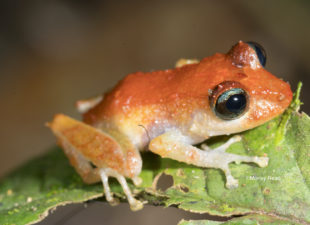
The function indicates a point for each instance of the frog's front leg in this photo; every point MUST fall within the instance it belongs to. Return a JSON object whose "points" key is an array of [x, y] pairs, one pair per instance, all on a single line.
{"points": [[86, 104], [176, 146], [183, 62]]}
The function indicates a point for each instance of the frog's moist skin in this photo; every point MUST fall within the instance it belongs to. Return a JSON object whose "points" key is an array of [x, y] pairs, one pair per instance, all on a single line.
{"points": [[169, 111]]}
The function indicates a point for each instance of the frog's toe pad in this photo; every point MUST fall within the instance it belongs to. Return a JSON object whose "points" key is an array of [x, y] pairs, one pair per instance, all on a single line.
{"points": [[136, 205], [236, 138], [262, 161], [231, 182], [105, 173], [113, 201]]}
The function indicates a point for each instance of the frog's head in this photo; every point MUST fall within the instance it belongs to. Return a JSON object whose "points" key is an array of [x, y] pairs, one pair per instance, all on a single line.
{"points": [[249, 99]]}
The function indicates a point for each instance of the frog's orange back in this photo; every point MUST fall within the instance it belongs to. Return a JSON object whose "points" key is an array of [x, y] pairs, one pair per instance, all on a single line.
{"points": [[162, 87], [193, 83]]}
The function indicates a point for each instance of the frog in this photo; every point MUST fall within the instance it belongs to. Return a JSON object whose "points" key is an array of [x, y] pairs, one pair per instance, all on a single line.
{"points": [[170, 112]]}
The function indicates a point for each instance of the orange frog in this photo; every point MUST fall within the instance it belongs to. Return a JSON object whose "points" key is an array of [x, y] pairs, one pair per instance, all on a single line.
{"points": [[169, 111]]}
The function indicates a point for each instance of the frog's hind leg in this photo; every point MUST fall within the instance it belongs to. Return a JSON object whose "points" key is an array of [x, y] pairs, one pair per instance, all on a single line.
{"points": [[82, 166], [113, 155]]}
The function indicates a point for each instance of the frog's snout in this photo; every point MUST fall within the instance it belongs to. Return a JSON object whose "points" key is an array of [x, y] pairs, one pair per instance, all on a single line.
{"points": [[285, 96]]}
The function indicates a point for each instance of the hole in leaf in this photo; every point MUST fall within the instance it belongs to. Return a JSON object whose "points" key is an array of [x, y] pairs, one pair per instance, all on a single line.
{"points": [[183, 188], [163, 182]]}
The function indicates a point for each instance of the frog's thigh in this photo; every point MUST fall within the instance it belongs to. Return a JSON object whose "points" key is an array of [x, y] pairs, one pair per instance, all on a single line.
{"points": [[103, 150], [174, 145], [80, 163]]}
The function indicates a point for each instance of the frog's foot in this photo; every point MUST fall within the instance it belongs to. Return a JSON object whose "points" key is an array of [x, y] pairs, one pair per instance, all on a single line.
{"points": [[105, 174], [222, 160], [261, 161]]}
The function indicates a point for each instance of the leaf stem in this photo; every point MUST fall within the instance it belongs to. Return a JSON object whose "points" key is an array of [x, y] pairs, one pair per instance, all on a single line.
{"points": [[294, 107]]}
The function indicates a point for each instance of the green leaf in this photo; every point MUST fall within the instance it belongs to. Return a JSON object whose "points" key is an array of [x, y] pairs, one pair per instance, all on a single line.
{"points": [[244, 220], [41, 184], [279, 192]]}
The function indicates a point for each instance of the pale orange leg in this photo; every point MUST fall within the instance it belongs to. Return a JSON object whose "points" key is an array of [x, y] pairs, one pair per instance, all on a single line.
{"points": [[112, 154], [82, 166]]}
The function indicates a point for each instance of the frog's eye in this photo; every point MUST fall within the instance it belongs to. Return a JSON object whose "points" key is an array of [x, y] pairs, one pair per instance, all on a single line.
{"points": [[260, 52], [231, 104]]}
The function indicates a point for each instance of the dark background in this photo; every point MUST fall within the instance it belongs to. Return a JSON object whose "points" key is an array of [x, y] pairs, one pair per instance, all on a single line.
{"points": [[53, 53]]}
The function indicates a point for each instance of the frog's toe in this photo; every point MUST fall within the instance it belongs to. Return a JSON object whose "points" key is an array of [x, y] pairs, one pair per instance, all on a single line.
{"points": [[136, 205], [113, 201], [228, 143], [262, 161], [205, 147], [105, 173], [231, 182], [237, 138]]}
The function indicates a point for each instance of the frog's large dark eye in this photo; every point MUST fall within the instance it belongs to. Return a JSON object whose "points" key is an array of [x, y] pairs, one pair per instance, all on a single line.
{"points": [[260, 52], [231, 104]]}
